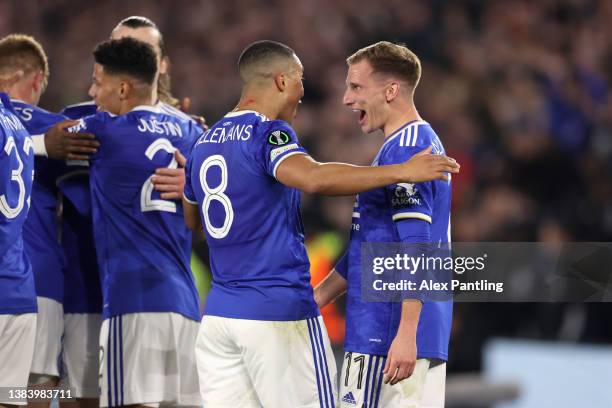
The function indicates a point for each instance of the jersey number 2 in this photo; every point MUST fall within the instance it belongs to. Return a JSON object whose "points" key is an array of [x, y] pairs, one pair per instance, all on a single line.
{"points": [[147, 203], [216, 194]]}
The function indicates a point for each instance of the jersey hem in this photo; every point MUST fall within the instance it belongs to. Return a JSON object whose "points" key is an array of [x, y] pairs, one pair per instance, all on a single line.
{"points": [[381, 352], [108, 315], [18, 311], [268, 318]]}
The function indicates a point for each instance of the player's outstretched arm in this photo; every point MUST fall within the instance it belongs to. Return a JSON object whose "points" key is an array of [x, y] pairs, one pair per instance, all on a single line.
{"points": [[61, 144], [329, 289], [306, 174], [402, 355]]}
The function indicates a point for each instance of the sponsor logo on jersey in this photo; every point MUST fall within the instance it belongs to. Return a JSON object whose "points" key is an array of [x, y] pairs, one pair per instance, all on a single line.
{"points": [[405, 194], [278, 138], [349, 399]]}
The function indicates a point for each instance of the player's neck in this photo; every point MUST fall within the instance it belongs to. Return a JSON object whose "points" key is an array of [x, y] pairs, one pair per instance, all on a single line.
{"points": [[399, 118], [18, 92], [257, 103], [128, 105]]}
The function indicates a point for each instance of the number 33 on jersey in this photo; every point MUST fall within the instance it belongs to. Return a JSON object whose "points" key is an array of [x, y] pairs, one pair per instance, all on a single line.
{"points": [[16, 173]]}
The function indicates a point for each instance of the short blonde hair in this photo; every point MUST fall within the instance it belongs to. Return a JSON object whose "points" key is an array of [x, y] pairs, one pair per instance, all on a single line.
{"points": [[393, 59], [20, 52]]}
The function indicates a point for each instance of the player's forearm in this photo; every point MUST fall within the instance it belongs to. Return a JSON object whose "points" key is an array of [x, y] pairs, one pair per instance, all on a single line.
{"points": [[411, 311], [347, 179], [330, 288], [191, 216]]}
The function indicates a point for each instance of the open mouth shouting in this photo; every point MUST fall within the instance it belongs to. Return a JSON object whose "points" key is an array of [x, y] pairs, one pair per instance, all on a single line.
{"points": [[362, 116]]}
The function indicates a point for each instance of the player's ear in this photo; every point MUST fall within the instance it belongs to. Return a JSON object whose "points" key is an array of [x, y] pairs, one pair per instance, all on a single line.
{"points": [[280, 81], [124, 90], [392, 91], [37, 81]]}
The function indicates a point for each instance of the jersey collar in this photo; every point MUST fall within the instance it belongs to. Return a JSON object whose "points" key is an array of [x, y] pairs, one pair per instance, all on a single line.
{"points": [[155, 108], [402, 128], [241, 112]]}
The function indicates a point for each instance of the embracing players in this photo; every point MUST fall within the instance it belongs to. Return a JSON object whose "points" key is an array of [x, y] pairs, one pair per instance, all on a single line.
{"points": [[262, 340]]}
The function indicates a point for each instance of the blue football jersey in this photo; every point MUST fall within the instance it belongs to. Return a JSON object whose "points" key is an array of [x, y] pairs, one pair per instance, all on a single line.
{"points": [[17, 293], [143, 246], [252, 222], [372, 326], [79, 110], [82, 289], [82, 284], [40, 231]]}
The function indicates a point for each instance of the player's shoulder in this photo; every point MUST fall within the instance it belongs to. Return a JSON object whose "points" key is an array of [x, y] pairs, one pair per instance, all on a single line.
{"points": [[92, 122], [28, 112], [260, 124], [9, 119], [414, 134], [79, 110], [408, 140], [172, 111], [276, 132], [157, 122]]}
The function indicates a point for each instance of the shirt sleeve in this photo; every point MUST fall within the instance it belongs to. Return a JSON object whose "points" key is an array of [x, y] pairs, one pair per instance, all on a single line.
{"points": [[408, 200], [188, 192], [279, 143]]}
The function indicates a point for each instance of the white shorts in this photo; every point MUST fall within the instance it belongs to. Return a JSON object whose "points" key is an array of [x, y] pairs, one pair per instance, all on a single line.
{"points": [[49, 331], [81, 354], [254, 363], [148, 359], [17, 337], [361, 383]]}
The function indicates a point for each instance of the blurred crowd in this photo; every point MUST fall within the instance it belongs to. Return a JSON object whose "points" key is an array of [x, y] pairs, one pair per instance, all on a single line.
{"points": [[517, 90]]}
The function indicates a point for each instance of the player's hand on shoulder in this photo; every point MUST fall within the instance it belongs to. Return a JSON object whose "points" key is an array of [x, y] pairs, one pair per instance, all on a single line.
{"points": [[401, 359], [425, 166], [171, 182], [62, 144]]}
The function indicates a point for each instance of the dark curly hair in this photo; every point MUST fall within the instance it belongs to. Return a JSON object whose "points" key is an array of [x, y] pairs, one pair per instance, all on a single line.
{"points": [[127, 56]]}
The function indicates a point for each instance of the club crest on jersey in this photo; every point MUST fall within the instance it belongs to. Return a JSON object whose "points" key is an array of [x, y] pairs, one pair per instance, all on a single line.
{"points": [[278, 138]]}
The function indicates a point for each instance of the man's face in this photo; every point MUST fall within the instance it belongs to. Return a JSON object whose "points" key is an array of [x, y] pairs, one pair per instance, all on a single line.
{"points": [[105, 90], [365, 94], [148, 35], [295, 90]]}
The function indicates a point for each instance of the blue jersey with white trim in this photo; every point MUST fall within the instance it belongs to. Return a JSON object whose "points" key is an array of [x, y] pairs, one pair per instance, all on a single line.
{"points": [[40, 228], [82, 284], [17, 293], [252, 222], [142, 243], [372, 326]]}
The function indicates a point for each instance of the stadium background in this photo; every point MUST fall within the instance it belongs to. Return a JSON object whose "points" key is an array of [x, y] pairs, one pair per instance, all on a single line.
{"points": [[517, 90]]}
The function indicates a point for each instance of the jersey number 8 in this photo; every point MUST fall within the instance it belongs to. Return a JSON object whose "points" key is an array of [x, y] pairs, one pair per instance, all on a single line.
{"points": [[216, 194]]}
